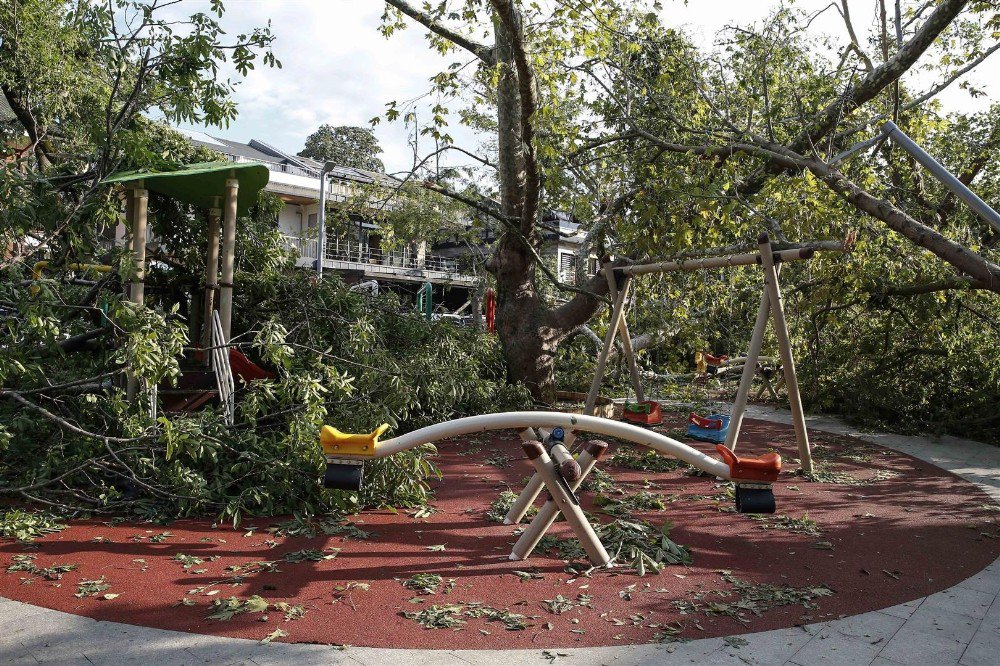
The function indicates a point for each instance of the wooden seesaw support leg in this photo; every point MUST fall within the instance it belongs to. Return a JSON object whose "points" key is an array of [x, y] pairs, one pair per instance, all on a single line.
{"points": [[566, 504], [533, 533], [530, 493]]}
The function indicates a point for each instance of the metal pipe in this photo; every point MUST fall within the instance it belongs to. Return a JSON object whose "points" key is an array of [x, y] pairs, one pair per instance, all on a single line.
{"points": [[320, 240], [947, 179]]}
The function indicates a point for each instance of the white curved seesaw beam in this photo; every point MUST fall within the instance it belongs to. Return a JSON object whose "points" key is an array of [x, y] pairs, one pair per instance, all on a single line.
{"points": [[577, 422]]}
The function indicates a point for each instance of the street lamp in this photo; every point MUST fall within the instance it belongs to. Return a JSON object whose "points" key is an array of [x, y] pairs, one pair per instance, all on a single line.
{"points": [[321, 241]]}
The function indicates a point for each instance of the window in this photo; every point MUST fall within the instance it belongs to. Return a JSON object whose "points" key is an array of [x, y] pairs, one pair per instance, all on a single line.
{"points": [[592, 266], [567, 267], [313, 218]]}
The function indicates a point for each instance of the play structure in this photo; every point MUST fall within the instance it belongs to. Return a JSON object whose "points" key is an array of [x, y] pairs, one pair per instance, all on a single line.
{"points": [[547, 437], [750, 497], [224, 190]]}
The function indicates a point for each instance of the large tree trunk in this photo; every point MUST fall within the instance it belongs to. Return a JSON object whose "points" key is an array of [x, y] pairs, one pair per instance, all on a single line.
{"points": [[529, 330], [521, 317]]}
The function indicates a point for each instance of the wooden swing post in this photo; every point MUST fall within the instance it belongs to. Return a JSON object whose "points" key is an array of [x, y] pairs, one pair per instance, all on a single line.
{"points": [[749, 369], [633, 367], [609, 339], [785, 348]]}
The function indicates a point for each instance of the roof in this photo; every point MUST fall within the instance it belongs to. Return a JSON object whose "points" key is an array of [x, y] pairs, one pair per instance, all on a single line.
{"points": [[262, 151], [201, 184]]}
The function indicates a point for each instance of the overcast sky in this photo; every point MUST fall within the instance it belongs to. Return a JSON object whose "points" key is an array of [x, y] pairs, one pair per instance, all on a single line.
{"points": [[338, 69]]}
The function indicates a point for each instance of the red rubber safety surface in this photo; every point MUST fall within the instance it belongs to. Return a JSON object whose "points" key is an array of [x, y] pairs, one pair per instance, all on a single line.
{"points": [[912, 530]]}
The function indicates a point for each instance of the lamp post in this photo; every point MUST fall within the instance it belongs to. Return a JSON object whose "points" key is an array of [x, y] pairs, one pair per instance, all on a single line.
{"points": [[321, 241]]}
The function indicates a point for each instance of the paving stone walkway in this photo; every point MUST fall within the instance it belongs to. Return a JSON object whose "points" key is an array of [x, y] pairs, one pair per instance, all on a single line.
{"points": [[960, 625]]}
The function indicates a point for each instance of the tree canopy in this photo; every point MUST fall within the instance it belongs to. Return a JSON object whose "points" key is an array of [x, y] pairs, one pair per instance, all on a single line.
{"points": [[660, 147], [346, 146]]}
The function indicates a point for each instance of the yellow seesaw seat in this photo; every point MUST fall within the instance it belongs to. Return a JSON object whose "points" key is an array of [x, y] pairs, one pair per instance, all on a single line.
{"points": [[347, 444]]}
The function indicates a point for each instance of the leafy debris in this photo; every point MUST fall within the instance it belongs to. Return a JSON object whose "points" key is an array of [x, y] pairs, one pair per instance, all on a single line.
{"points": [[311, 555], [26, 563], [91, 588], [26, 526], [501, 505], [645, 460]]}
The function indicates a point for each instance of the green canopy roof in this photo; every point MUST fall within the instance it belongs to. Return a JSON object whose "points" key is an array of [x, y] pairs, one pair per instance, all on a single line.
{"points": [[199, 184]]}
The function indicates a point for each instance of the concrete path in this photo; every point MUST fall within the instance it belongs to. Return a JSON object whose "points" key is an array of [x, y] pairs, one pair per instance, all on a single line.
{"points": [[960, 625]]}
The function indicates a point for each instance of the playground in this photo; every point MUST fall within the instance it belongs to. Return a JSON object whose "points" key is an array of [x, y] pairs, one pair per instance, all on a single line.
{"points": [[891, 529], [689, 354]]}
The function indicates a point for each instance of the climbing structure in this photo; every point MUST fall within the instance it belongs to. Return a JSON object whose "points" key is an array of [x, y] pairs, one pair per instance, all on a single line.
{"points": [[225, 190]]}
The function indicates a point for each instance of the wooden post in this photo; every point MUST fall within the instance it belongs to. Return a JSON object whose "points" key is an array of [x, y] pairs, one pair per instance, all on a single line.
{"points": [[228, 257], [785, 347], [749, 369], [535, 484], [137, 292], [530, 492], [564, 502], [140, 208], [633, 367], [541, 523], [211, 276], [609, 340]]}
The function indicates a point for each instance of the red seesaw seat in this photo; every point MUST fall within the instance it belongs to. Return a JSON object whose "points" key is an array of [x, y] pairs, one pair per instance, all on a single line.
{"points": [[764, 469]]}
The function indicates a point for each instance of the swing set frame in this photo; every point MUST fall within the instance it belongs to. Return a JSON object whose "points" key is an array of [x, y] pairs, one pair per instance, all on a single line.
{"points": [[771, 308]]}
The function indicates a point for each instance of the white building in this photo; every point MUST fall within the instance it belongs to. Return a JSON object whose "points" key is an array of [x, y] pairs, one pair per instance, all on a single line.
{"points": [[358, 253]]}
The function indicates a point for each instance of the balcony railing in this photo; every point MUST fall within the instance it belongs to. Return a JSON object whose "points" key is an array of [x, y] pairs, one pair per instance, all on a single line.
{"points": [[375, 260]]}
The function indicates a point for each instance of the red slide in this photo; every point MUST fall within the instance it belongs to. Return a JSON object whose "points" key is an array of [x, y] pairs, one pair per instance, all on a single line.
{"points": [[246, 369]]}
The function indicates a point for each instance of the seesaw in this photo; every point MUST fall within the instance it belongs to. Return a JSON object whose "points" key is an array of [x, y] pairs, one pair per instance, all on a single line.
{"points": [[559, 471]]}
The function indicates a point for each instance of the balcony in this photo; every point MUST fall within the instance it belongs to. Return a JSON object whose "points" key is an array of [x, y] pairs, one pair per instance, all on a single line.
{"points": [[402, 265]]}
